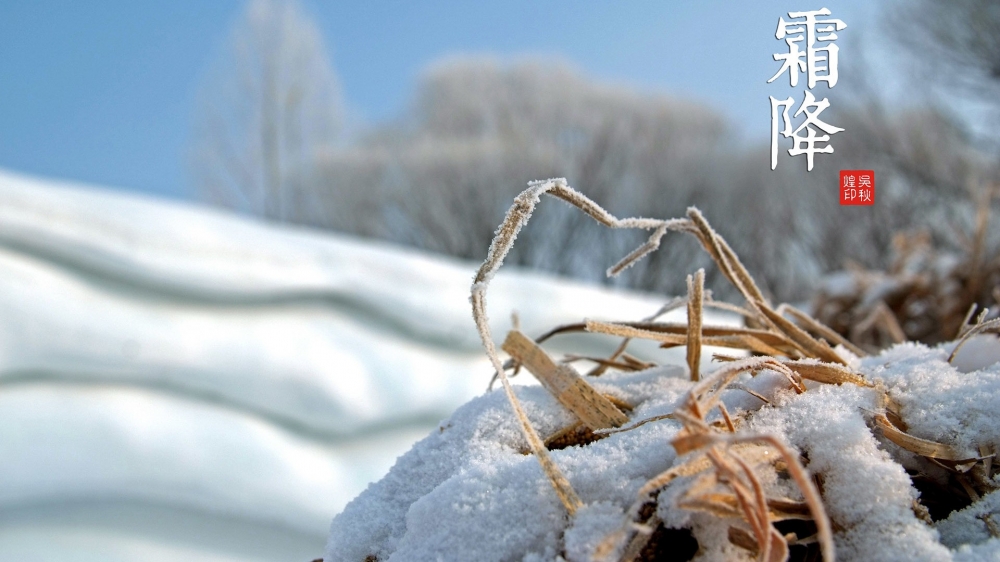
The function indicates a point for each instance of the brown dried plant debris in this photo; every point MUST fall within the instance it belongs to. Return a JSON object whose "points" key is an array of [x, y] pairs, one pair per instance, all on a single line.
{"points": [[503, 241], [728, 484], [723, 468], [927, 294], [573, 392], [565, 384]]}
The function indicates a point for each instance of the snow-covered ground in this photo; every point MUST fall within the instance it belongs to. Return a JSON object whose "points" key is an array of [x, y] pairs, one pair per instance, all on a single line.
{"points": [[468, 492], [178, 383]]}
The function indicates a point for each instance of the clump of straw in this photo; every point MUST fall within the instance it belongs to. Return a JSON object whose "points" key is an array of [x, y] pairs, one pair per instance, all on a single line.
{"points": [[926, 294], [725, 467]]}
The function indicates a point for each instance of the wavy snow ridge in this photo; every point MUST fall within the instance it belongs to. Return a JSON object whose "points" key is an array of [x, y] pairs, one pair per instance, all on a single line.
{"points": [[179, 383]]}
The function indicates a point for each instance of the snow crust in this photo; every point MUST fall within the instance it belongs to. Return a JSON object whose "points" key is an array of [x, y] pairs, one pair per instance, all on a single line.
{"points": [[467, 492]]}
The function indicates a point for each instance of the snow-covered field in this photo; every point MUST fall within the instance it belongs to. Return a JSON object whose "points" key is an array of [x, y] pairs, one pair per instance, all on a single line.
{"points": [[183, 384]]}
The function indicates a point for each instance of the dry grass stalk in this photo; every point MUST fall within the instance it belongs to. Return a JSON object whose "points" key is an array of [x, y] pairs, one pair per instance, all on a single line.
{"points": [[967, 323], [986, 452], [880, 317], [636, 424], [741, 279], [568, 497], [612, 360], [746, 343], [938, 453], [979, 328], [922, 447], [627, 363], [636, 364], [730, 424], [967, 487], [562, 382], [981, 317], [773, 545], [743, 539], [737, 340], [695, 465], [751, 392], [810, 346], [724, 256], [517, 216], [671, 305], [729, 307], [806, 486], [705, 395], [696, 287], [826, 373], [811, 324], [766, 336]]}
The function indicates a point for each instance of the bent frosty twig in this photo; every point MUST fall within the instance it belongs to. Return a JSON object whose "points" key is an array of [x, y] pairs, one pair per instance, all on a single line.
{"points": [[517, 216]]}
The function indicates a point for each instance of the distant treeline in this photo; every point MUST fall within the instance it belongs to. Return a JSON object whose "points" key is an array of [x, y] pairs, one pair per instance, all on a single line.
{"points": [[442, 175]]}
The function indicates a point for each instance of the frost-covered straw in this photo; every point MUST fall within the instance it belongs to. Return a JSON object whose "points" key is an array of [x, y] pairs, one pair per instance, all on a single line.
{"points": [[503, 240], [705, 394]]}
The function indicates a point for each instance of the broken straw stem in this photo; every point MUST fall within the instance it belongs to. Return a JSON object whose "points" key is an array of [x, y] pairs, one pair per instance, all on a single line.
{"points": [[564, 383]]}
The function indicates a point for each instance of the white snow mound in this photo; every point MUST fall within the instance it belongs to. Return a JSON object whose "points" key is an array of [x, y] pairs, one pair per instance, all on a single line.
{"points": [[467, 492], [182, 383]]}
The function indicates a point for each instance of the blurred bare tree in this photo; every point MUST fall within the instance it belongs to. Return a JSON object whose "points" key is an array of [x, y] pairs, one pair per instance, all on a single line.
{"points": [[269, 104], [478, 130]]}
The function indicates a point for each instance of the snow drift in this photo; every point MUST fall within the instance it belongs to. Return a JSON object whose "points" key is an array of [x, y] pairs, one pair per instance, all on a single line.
{"points": [[179, 383]]}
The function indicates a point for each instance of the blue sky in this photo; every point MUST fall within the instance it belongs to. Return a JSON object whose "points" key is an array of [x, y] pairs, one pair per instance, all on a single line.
{"points": [[103, 92]]}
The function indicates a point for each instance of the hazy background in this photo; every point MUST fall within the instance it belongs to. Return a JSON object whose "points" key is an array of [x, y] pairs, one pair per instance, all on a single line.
{"points": [[104, 92], [417, 123]]}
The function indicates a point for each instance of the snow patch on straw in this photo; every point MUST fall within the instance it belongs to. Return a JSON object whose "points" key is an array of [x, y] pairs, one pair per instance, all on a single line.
{"points": [[865, 491]]}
